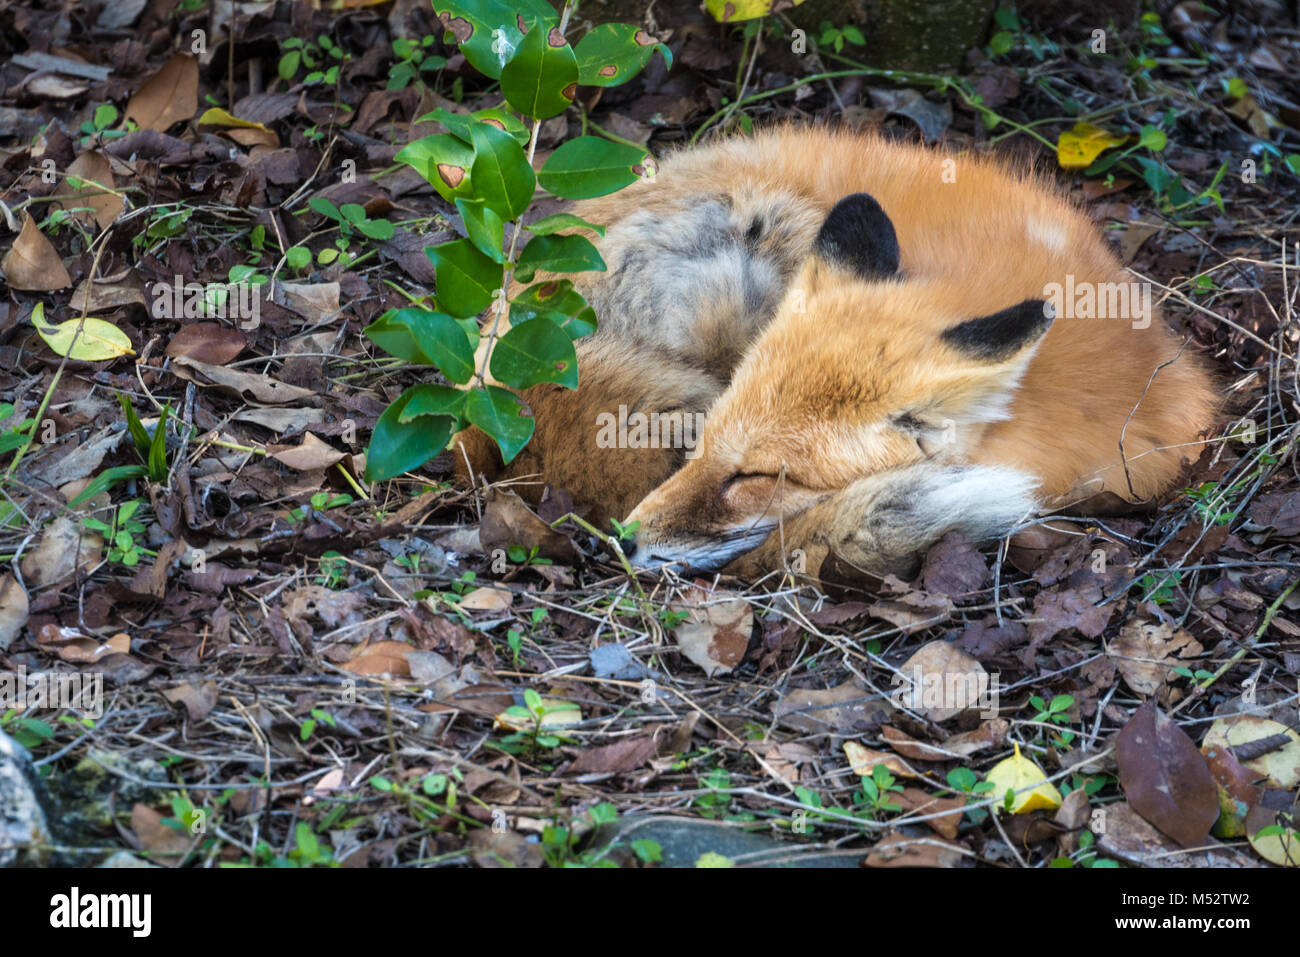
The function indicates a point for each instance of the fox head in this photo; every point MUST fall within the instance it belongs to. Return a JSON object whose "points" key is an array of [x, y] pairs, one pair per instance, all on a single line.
{"points": [[864, 370]]}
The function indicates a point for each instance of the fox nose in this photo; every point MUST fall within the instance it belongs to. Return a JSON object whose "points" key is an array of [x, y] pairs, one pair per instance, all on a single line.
{"points": [[629, 547]]}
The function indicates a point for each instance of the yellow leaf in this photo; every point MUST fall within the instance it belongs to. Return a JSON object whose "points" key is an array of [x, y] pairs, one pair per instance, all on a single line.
{"points": [[219, 117], [730, 11], [97, 341], [1019, 774], [1077, 148]]}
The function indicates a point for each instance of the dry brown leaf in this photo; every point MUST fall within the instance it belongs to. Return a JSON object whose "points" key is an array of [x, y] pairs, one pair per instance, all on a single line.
{"points": [[487, 599], [715, 635], [64, 546], [918, 802], [909, 747], [74, 647], [507, 521], [331, 782], [104, 206], [166, 845], [990, 734], [1165, 777], [13, 610], [1072, 816], [105, 296], [282, 420], [312, 453], [1146, 653], [1128, 837], [913, 611], [207, 342], [941, 681], [625, 754], [198, 701], [315, 302], [862, 760], [845, 709], [33, 263], [899, 850], [167, 97], [381, 658], [247, 385]]}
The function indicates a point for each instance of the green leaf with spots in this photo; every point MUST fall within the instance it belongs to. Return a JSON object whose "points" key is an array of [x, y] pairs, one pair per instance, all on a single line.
{"points": [[542, 77], [613, 53], [558, 301], [444, 160], [466, 278], [535, 352], [558, 254], [397, 446], [502, 177], [424, 337], [488, 31], [590, 166], [459, 124], [502, 415]]}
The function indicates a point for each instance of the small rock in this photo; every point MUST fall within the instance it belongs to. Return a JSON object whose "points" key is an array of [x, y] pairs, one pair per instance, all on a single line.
{"points": [[24, 827]]}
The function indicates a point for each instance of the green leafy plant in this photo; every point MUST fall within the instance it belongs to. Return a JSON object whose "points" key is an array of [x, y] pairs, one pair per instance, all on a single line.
{"points": [[15, 435], [349, 217], [412, 60], [526, 556], [121, 533], [333, 569], [100, 123], [964, 781], [482, 165], [152, 447], [537, 737], [834, 37], [875, 797], [29, 732], [315, 57], [308, 727], [1160, 588], [1054, 712], [320, 502], [1012, 33]]}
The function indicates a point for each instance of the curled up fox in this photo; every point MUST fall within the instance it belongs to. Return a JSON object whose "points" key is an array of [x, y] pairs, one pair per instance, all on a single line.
{"points": [[887, 343]]}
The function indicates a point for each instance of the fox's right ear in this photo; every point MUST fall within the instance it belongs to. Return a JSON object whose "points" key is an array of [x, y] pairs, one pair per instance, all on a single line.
{"points": [[859, 237]]}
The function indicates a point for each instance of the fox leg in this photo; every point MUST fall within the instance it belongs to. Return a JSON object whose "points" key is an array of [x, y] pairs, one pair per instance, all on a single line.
{"points": [[884, 523]]}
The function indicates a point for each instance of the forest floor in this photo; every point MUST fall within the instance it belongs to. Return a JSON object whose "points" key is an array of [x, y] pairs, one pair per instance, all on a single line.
{"points": [[302, 668]]}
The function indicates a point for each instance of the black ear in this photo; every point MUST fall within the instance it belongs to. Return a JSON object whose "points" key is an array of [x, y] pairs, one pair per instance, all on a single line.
{"points": [[1003, 334], [857, 235]]}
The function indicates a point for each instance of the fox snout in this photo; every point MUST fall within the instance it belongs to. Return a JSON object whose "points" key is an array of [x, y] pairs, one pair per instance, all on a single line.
{"points": [[659, 546], [709, 514]]}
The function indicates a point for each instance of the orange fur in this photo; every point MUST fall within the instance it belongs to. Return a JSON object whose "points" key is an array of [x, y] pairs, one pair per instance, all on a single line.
{"points": [[808, 411]]}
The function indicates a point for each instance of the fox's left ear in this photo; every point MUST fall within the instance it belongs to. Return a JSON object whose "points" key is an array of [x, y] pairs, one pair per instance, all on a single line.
{"points": [[858, 236], [1002, 335]]}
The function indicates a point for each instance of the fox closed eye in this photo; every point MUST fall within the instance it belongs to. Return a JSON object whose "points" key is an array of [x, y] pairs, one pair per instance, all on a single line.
{"points": [[738, 477]]}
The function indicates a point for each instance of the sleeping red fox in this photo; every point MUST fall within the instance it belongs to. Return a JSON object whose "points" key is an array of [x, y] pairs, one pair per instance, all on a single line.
{"points": [[955, 349]]}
